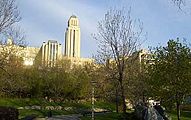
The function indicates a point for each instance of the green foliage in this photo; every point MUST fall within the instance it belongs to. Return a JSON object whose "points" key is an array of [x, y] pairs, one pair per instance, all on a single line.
{"points": [[171, 69], [170, 73], [58, 83], [185, 115], [78, 107]]}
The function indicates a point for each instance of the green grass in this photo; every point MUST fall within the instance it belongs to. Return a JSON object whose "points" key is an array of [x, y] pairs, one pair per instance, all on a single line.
{"points": [[39, 102], [78, 107], [185, 115], [105, 105], [15, 102], [41, 113]]}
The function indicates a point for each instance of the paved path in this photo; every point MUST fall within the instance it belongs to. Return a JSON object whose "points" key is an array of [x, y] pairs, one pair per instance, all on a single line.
{"points": [[65, 117], [62, 117]]}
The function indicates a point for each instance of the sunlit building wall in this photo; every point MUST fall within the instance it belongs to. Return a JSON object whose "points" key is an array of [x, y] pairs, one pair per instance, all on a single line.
{"points": [[29, 55], [72, 38], [50, 53]]}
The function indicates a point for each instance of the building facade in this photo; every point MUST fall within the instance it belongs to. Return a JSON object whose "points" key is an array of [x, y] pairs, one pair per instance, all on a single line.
{"points": [[72, 38], [29, 55], [49, 54]]}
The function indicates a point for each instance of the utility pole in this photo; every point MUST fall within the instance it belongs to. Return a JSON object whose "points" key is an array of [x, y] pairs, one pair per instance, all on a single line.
{"points": [[93, 91]]}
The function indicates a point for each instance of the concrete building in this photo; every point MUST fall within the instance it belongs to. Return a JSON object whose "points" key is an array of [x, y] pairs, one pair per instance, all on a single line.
{"points": [[49, 54], [72, 43], [28, 54], [72, 38], [77, 61]]}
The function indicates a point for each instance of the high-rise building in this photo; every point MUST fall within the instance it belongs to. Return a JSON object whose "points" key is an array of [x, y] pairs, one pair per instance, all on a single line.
{"points": [[49, 53], [72, 38]]}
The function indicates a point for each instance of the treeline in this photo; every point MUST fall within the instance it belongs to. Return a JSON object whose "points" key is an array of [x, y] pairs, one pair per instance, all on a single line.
{"points": [[57, 82], [161, 74], [63, 82]]}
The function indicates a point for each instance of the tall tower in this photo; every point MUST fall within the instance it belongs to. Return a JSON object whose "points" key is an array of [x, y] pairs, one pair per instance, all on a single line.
{"points": [[72, 38]]}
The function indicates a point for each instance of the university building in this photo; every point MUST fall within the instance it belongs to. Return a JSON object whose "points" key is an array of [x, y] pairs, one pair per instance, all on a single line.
{"points": [[50, 53], [72, 38]]}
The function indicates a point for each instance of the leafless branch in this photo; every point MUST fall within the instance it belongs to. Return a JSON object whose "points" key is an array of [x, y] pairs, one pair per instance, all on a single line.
{"points": [[9, 14], [17, 35], [179, 3], [118, 38]]}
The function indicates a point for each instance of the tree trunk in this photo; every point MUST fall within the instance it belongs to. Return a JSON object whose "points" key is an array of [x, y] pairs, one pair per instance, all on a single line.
{"points": [[122, 90], [144, 98], [117, 100], [178, 109], [123, 98]]}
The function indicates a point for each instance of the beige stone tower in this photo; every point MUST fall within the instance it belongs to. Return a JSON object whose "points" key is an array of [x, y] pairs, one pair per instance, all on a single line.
{"points": [[72, 38]]}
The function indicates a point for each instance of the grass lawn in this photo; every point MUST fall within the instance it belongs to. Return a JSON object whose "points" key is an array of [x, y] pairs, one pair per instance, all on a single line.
{"points": [[78, 107], [41, 113], [16, 103], [185, 115]]}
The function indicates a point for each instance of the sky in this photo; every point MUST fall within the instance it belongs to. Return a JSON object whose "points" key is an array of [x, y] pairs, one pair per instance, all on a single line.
{"points": [[44, 20]]}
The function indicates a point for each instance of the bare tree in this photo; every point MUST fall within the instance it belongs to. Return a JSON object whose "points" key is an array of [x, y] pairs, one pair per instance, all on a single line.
{"points": [[11, 44], [11, 36], [9, 14], [16, 34], [179, 3], [118, 38]]}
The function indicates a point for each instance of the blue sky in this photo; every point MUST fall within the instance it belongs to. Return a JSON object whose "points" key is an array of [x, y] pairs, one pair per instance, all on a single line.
{"points": [[44, 20]]}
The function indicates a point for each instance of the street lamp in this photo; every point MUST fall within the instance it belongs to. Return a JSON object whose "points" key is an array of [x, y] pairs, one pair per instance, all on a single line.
{"points": [[93, 91]]}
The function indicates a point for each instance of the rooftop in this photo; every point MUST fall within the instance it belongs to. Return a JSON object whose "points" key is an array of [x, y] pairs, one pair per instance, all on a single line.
{"points": [[73, 16]]}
